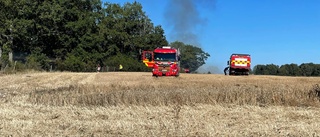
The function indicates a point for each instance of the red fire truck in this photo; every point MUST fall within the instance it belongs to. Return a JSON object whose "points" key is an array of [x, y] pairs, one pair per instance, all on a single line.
{"points": [[186, 70], [239, 64], [165, 61]]}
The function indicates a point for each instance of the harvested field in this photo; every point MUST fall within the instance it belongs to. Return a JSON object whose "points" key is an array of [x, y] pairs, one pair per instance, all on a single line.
{"points": [[137, 104]]}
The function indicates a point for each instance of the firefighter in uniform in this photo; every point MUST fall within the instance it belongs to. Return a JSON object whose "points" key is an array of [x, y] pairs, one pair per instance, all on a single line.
{"points": [[225, 70], [120, 67]]}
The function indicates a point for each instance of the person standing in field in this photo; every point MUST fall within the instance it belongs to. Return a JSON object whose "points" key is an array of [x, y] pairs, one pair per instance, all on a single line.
{"points": [[120, 67], [98, 68], [225, 70]]}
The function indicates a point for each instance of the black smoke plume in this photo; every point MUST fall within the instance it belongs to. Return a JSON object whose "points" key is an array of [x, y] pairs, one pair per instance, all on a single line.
{"points": [[185, 20]]}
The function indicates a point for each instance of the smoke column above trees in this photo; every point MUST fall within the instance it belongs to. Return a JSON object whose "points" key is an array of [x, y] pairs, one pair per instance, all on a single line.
{"points": [[186, 24], [185, 21]]}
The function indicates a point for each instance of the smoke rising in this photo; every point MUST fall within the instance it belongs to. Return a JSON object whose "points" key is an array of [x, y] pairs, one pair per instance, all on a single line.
{"points": [[210, 68], [185, 19], [187, 24]]}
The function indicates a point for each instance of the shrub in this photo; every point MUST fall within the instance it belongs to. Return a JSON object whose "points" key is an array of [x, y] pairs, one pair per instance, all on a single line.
{"points": [[38, 61], [128, 63]]}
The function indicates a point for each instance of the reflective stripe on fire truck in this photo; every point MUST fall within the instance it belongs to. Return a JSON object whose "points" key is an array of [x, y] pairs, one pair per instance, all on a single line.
{"points": [[240, 62]]}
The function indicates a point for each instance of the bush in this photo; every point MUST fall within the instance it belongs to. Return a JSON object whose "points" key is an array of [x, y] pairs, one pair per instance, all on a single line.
{"points": [[38, 61], [315, 92], [19, 66], [73, 63], [128, 63]]}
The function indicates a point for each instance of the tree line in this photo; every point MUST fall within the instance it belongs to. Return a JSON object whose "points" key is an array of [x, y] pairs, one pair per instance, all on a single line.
{"points": [[304, 69], [76, 35]]}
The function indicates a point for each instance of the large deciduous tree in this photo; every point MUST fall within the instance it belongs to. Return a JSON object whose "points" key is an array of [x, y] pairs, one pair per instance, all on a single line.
{"points": [[78, 34], [127, 29], [192, 57], [305, 69]]}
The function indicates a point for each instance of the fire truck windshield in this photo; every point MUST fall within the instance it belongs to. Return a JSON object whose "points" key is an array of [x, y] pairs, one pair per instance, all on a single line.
{"points": [[165, 56]]}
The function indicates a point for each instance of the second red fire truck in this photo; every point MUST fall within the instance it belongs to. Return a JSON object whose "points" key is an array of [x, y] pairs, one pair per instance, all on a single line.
{"points": [[239, 64]]}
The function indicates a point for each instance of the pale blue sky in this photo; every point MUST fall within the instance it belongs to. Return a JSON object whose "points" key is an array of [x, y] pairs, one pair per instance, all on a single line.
{"points": [[271, 31]]}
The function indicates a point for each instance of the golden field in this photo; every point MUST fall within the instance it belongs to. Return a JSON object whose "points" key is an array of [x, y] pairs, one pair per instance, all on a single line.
{"points": [[137, 104]]}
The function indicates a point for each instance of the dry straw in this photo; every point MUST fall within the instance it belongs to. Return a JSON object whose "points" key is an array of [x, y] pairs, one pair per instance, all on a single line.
{"points": [[137, 104]]}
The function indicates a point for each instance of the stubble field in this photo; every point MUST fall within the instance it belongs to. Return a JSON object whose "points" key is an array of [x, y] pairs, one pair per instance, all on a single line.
{"points": [[137, 104]]}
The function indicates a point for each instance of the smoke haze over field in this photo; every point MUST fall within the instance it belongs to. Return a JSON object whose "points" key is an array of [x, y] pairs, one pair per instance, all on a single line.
{"points": [[209, 68]]}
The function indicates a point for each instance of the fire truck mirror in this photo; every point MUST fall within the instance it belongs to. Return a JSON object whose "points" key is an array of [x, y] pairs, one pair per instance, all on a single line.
{"points": [[228, 62], [148, 56]]}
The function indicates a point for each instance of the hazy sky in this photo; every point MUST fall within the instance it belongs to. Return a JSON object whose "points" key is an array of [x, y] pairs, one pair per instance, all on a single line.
{"points": [[271, 31]]}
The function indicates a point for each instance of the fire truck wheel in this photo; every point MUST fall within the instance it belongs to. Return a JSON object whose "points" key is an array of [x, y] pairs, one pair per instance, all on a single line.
{"points": [[177, 74]]}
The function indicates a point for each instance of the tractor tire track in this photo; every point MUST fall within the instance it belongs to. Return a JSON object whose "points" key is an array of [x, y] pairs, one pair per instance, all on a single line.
{"points": [[37, 81]]}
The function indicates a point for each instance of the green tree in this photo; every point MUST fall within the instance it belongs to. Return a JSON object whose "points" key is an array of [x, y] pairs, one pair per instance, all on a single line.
{"points": [[295, 70], [290, 70], [307, 69], [73, 63], [78, 34], [316, 70], [128, 63], [259, 69], [38, 60], [9, 12], [5, 56], [271, 69], [191, 57], [54, 26], [126, 29]]}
